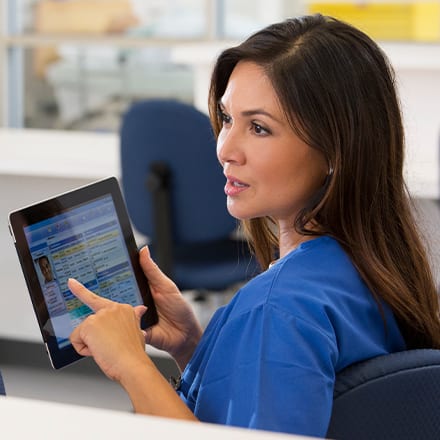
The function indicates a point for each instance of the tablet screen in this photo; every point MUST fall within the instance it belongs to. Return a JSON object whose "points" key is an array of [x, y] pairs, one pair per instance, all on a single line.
{"points": [[82, 235]]}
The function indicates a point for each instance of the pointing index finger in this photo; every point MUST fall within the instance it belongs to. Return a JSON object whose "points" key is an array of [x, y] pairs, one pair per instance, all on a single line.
{"points": [[95, 302]]}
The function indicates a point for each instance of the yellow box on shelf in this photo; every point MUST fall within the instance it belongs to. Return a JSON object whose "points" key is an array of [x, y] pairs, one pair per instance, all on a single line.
{"points": [[410, 21]]}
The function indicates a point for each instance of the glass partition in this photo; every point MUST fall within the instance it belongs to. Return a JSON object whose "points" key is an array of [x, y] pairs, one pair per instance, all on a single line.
{"points": [[77, 64]]}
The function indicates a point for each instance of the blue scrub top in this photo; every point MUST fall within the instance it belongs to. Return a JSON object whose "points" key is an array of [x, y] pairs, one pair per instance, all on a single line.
{"points": [[268, 359]]}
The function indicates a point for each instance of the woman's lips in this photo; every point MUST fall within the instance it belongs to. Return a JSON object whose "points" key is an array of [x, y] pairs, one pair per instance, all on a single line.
{"points": [[234, 186]]}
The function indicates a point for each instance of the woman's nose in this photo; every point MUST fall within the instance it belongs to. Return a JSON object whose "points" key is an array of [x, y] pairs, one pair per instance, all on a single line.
{"points": [[228, 147]]}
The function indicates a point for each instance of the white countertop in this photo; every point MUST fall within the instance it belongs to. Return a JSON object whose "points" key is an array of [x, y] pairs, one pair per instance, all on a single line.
{"points": [[25, 418], [54, 153]]}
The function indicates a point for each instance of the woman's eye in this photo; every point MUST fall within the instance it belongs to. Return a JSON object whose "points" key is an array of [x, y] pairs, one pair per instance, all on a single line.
{"points": [[258, 129], [224, 118]]}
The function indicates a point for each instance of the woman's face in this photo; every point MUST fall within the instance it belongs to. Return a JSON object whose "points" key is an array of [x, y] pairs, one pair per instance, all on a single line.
{"points": [[269, 170]]}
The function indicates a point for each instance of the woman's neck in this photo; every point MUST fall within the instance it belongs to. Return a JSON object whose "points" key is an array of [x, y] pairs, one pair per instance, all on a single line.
{"points": [[290, 239]]}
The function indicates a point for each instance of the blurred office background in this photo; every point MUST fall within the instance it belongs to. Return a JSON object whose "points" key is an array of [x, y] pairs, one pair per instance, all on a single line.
{"points": [[81, 62], [69, 69], [77, 64]]}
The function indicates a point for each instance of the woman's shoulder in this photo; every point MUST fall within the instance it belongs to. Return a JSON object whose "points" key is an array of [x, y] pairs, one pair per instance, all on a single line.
{"points": [[319, 270], [315, 278], [318, 253], [317, 262]]}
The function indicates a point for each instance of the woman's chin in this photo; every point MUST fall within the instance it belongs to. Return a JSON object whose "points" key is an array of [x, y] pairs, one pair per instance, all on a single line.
{"points": [[241, 211], [239, 214]]}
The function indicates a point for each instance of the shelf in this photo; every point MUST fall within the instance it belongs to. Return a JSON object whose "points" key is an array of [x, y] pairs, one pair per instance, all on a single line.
{"points": [[38, 40], [405, 55]]}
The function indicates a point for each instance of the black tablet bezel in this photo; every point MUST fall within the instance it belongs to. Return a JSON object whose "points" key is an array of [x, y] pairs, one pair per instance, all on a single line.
{"points": [[46, 209]]}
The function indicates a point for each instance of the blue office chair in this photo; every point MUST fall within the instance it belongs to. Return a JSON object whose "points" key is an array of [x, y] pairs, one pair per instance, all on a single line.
{"points": [[390, 397], [2, 386], [173, 188]]}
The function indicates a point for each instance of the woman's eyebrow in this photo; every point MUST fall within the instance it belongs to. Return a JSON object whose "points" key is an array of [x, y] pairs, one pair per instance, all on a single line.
{"points": [[259, 111], [251, 112]]}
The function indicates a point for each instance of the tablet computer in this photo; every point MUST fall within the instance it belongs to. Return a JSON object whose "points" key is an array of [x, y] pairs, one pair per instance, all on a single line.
{"points": [[84, 234]]}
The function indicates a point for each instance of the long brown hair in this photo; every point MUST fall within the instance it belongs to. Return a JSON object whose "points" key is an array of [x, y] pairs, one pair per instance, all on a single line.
{"points": [[338, 92]]}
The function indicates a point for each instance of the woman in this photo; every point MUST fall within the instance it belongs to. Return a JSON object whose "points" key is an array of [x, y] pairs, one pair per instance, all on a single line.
{"points": [[311, 142]]}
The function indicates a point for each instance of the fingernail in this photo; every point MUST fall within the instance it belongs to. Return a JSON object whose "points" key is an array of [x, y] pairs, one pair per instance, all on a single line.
{"points": [[145, 249], [73, 281]]}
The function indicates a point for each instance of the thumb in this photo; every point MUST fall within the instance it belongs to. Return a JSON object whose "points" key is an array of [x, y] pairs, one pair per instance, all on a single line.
{"points": [[155, 276], [139, 311]]}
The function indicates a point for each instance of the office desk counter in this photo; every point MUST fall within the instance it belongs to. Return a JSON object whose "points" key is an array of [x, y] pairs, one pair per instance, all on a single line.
{"points": [[58, 154], [25, 418]]}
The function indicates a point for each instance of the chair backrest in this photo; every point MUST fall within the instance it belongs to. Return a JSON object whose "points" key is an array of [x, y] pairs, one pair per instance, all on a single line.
{"points": [[177, 134], [395, 396]]}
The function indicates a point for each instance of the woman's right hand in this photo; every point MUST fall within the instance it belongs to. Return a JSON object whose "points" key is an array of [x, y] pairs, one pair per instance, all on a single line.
{"points": [[178, 330]]}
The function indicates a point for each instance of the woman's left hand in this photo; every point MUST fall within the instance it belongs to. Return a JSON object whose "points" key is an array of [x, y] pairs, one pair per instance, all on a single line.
{"points": [[112, 335]]}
